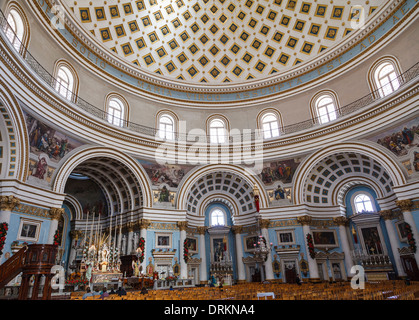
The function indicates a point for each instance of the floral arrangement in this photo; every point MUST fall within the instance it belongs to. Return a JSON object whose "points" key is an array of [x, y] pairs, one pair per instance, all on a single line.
{"points": [[141, 245], [57, 238], [310, 246], [410, 239], [3, 232], [170, 278], [185, 250], [76, 282]]}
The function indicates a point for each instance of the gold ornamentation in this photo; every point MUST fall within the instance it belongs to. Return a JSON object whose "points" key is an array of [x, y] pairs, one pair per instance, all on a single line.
{"points": [[182, 225], [264, 223], [76, 234], [144, 223], [56, 213], [404, 205], [8, 203], [304, 220], [131, 226], [201, 230], [386, 214], [341, 221], [237, 229]]}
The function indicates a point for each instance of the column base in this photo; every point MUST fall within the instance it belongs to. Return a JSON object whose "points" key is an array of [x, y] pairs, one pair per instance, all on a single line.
{"points": [[203, 282], [314, 280]]}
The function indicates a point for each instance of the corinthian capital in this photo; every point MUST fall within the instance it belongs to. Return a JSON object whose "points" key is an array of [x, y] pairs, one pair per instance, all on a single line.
{"points": [[144, 223], [404, 205], [182, 225], [201, 230], [386, 214], [341, 221], [264, 223], [237, 229], [56, 213], [304, 220], [8, 203]]}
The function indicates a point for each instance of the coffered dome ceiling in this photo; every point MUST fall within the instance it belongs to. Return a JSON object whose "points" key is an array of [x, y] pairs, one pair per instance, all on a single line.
{"points": [[218, 41]]}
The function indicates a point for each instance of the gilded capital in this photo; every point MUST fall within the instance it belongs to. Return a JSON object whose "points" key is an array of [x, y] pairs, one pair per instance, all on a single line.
{"points": [[341, 221], [264, 223], [182, 225], [237, 229], [201, 230], [144, 223], [404, 205], [8, 203], [304, 220], [76, 234], [131, 226], [386, 214], [56, 213]]}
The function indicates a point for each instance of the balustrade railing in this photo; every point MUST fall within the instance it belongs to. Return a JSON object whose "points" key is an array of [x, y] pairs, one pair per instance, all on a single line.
{"points": [[49, 79]]}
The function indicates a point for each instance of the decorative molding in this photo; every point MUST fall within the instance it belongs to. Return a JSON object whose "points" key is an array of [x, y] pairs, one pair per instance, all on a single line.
{"points": [[304, 220], [56, 213], [182, 225], [341, 221], [386, 214], [405, 205], [8, 203]]}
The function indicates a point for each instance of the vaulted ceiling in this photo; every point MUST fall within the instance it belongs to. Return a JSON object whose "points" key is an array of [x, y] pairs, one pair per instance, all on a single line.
{"points": [[218, 41]]}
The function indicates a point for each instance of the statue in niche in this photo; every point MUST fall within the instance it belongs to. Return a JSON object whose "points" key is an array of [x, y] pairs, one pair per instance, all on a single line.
{"points": [[124, 243], [279, 193], [164, 195]]}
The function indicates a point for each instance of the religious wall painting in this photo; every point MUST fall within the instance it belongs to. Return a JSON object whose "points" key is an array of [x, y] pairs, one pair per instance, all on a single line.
{"points": [[372, 240], [325, 238], [401, 231], [285, 237], [163, 240], [279, 193], [40, 168], [416, 161], [400, 139], [219, 249], [29, 230], [276, 171], [250, 243], [164, 196], [192, 244], [169, 174], [45, 140]]}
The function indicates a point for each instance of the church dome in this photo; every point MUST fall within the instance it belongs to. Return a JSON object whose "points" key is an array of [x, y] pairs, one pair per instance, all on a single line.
{"points": [[219, 41]]}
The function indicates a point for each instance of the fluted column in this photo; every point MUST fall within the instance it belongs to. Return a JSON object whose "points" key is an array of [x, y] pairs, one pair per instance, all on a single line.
{"points": [[406, 207], [387, 216], [130, 227], [343, 222], [144, 224], [264, 225], [312, 264], [183, 265], [203, 276], [7, 204], [241, 274], [55, 215]]}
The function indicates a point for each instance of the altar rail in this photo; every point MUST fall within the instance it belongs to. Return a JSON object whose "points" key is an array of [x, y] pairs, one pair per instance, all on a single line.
{"points": [[176, 284], [406, 77]]}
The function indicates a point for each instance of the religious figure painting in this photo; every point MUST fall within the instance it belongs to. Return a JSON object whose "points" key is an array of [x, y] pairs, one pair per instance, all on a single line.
{"points": [[165, 174], [325, 238], [250, 243], [45, 140], [219, 249], [192, 245], [39, 168], [163, 240], [400, 139], [278, 171], [372, 240]]}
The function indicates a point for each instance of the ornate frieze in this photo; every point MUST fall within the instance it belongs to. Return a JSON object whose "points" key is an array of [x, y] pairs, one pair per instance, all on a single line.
{"points": [[341, 221]]}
